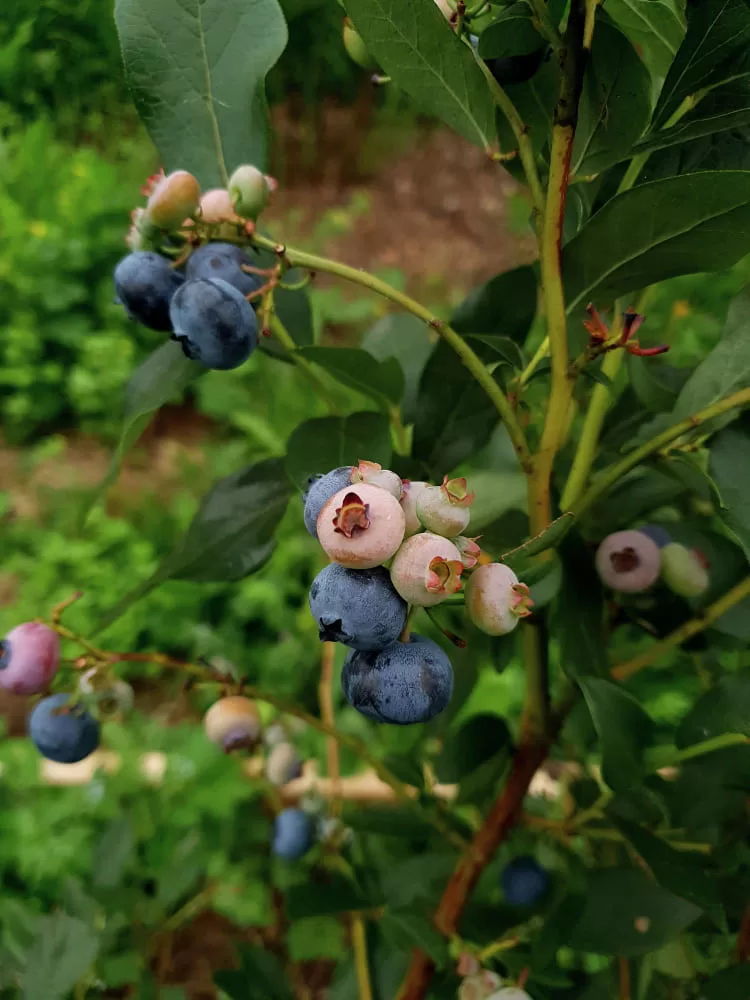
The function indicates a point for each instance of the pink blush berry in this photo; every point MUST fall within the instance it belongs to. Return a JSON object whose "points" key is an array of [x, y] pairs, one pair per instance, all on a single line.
{"points": [[216, 205], [495, 600], [29, 657], [628, 561], [445, 509], [173, 198], [361, 526], [376, 475], [232, 723], [412, 491], [427, 569]]}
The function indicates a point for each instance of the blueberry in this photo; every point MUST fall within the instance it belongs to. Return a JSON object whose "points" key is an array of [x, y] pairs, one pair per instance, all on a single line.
{"points": [[63, 731], [283, 764], [628, 561], [29, 656], [516, 69], [656, 533], [214, 323], [403, 684], [223, 260], [145, 283], [524, 881], [320, 491], [292, 834], [358, 607]]}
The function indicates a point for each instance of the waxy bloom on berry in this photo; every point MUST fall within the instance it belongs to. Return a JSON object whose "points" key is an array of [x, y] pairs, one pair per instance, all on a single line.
{"points": [[376, 475], [411, 492], [495, 600], [233, 723], [427, 569], [445, 509], [361, 526], [628, 561]]}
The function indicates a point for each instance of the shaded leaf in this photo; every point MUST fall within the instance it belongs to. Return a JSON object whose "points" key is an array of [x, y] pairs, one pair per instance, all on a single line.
{"points": [[476, 741], [664, 228], [615, 103], [336, 895], [389, 821], [580, 614], [62, 952], [260, 977], [112, 852], [655, 383], [625, 731], [628, 914], [503, 306], [197, 69], [325, 443], [384, 381], [511, 33], [406, 930], [723, 709], [729, 984], [729, 468], [409, 341], [717, 30]]}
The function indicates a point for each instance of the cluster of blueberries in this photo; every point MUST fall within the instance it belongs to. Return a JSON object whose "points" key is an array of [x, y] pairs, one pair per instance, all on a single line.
{"points": [[633, 561], [395, 544], [202, 296]]}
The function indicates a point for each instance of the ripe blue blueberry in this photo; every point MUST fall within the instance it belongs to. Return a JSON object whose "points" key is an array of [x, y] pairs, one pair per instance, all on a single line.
{"points": [[145, 283], [29, 657], [320, 491], [403, 684], [214, 323], [63, 731], [223, 260], [358, 607], [293, 834], [656, 533], [516, 69], [524, 881]]}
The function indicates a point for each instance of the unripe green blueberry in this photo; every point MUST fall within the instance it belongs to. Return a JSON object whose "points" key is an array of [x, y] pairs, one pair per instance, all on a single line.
{"points": [[427, 569], [444, 509], [683, 571], [411, 492], [233, 723], [361, 526], [356, 48], [375, 475], [248, 191], [628, 561], [495, 600], [173, 198]]}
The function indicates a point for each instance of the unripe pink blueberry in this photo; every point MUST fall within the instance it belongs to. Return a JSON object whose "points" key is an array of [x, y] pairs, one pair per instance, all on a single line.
{"points": [[29, 657], [427, 569], [510, 993], [445, 509], [470, 551], [283, 764], [411, 492], [479, 985], [248, 191], [375, 475], [172, 199], [495, 600], [232, 723], [628, 561], [361, 526], [684, 570]]}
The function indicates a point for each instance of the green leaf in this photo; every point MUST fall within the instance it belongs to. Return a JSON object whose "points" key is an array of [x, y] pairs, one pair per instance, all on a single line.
{"points": [[504, 306], [260, 977], [197, 70], [729, 984], [723, 709], [62, 952], [336, 895], [389, 821], [406, 930], [511, 33], [580, 614], [325, 443], [535, 102], [476, 741], [318, 937], [657, 25], [454, 417], [231, 535], [550, 538], [615, 103], [416, 46], [717, 30], [294, 310], [675, 870], [384, 381], [725, 369], [729, 469], [655, 383], [112, 852], [628, 914], [160, 378], [406, 768], [408, 340], [658, 230], [725, 109], [624, 731]]}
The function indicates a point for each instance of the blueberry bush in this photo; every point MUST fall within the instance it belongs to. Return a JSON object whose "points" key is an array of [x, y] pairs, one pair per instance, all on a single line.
{"points": [[525, 528]]}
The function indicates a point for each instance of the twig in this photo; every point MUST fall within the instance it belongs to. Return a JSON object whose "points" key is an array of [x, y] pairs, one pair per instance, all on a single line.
{"points": [[359, 944], [623, 977]]}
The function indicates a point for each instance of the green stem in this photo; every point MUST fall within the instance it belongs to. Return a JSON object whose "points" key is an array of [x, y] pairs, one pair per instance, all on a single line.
{"points": [[686, 631], [537, 709], [547, 28], [281, 333], [541, 353], [668, 756], [299, 258], [609, 476], [401, 442]]}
